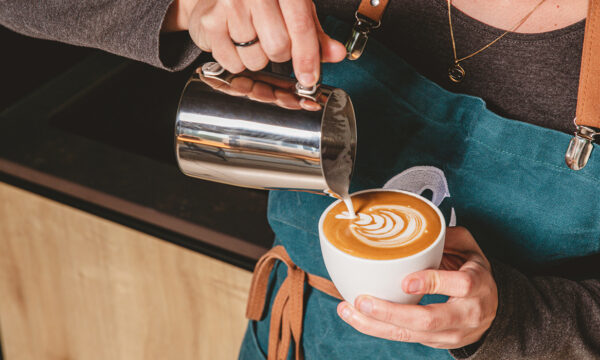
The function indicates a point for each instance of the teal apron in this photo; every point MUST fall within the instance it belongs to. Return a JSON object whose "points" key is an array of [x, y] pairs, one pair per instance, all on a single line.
{"points": [[504, 180]]}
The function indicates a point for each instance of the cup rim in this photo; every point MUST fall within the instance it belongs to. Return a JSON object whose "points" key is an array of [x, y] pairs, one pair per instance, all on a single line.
{"points": [[439, 238]]}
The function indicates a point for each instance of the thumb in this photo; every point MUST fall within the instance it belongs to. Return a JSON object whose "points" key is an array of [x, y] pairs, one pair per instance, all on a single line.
{"points": [[443, 282], [331, 50]]}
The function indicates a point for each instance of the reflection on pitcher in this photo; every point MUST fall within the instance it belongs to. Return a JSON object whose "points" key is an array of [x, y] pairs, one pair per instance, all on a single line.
{"points": [[264, 130], [262, 87]]}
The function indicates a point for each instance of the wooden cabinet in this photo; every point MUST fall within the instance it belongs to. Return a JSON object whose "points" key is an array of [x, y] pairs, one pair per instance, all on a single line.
{"points": [[76, 286]]}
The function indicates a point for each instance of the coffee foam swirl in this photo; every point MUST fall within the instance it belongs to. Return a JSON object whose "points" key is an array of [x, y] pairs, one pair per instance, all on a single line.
{"points": [[387, 226]]}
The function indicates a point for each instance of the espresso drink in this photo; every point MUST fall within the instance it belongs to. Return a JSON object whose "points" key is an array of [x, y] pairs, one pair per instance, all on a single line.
{"points": [[387, 225]]}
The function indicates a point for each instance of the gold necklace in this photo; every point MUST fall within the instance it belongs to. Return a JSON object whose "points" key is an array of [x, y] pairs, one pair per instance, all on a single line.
{"points": [[456, 73]]}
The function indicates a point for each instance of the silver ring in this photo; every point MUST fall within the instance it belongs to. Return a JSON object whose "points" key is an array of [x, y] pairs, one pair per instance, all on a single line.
{"points": [[247, 43]]}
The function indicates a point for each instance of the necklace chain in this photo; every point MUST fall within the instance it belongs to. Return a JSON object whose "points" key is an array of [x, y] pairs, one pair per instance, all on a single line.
{"points": [[456, 72]]}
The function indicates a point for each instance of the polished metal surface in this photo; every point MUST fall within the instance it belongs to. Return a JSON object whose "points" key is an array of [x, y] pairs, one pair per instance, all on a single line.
{"points": [[355, 45], [252, 130], [580, 147]]}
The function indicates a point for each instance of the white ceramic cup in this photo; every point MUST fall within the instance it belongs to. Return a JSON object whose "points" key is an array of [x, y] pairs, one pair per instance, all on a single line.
{"points": [[354, 276]]}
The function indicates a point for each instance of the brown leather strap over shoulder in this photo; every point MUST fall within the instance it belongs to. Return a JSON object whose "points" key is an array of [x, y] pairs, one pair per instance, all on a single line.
{"points": [[588, 98], [288, 307], [373, 9]]}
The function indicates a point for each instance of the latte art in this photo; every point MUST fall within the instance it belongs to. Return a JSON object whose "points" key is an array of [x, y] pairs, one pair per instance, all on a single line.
{"points": [[387, 226]]}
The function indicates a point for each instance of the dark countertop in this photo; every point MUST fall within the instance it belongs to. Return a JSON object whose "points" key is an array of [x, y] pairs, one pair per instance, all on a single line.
{"points": [[95, 131]]}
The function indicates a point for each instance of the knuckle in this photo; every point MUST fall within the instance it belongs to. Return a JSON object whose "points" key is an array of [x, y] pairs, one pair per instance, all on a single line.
{"points": [[304, 63], [476, 316], [487, 290], [461, 230], [466, 284], [278, 48], [387, 316], [210, 23], [358, 325], [428, 322], [199, 40], [433, 281], [400, 334], [301, 24], [232, 5], [454, 338]]}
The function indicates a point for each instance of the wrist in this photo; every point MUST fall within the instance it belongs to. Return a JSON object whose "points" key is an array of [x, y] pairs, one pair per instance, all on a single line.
{"points": [[177, 16]]}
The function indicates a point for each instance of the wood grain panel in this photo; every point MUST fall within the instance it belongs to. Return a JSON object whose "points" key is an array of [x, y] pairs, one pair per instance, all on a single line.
{"points": [[75, 286]]}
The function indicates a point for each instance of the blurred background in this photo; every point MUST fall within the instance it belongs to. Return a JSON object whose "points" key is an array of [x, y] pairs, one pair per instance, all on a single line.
{"points": [[107, 251]]}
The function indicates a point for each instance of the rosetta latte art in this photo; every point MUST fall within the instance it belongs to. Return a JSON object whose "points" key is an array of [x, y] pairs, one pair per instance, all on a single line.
{"points": [[387, 226]]}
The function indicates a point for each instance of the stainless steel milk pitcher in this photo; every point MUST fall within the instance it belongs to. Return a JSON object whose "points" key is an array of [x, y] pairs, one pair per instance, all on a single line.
{"points": [[253, 129]]}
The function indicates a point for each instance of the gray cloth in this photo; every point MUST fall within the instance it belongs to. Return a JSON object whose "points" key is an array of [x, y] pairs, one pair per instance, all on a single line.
{"points": [[126, 28], [541, 317], [527, 77]]}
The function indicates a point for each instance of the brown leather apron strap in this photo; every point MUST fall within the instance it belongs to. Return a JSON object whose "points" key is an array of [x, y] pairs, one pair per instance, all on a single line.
{"points": [[587, 116], [288, 307], [368, 17], [373, 9], [588, 98]]}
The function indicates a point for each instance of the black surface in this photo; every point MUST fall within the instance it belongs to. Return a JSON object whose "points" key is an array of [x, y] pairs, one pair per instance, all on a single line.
{"points": [[27, 63], [107, 124], [139, 120]]}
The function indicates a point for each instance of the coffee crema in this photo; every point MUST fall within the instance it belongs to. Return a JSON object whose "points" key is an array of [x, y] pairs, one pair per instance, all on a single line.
{"points": [[388, 225]]}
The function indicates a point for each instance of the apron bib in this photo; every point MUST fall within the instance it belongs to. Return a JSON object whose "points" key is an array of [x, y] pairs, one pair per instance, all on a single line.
{"points": [[504, 180]]}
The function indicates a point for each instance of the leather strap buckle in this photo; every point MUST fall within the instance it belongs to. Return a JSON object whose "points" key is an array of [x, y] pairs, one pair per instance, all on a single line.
{"points": [[355, 45], [368, 17], [580, 147], [588, 107]]}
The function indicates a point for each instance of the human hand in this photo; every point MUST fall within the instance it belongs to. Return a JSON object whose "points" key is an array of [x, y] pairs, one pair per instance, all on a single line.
{"points": [[257, 86], [465, 276], [286, 29]]}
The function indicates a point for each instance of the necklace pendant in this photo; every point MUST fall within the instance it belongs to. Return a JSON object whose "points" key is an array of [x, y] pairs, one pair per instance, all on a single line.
{"points": [[456, 73]]}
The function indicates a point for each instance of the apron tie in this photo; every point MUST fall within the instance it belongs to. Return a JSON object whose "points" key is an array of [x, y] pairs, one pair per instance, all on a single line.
{"points": [[288, 307]]}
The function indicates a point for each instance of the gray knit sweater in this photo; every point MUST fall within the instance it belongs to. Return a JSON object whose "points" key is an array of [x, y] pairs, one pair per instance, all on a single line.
{"points": [[550, 316]]}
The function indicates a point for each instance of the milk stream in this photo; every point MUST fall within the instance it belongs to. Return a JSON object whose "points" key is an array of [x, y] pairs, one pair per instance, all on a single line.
{"points": [[350, 206]]}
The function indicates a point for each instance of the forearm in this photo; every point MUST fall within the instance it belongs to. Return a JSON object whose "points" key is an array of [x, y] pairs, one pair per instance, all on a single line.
{"points": [[127, 28], [541, 318]]}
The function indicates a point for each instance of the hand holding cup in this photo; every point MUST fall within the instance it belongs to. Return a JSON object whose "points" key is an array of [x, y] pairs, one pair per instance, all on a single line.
{"points": [[465, 276]]}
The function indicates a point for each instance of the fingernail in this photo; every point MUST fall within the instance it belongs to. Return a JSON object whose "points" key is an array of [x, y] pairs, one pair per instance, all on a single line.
{"points": [[309, 105], [346, 313], [414, 286], [306, 79], [365, 306]]}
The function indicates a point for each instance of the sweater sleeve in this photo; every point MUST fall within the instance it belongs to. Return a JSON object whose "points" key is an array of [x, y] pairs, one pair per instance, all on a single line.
{"points": [[130, 28], [540, 317]]}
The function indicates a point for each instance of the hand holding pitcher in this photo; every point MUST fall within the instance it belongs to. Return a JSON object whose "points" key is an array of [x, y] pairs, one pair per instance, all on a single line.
{"points": [[247, 34]]}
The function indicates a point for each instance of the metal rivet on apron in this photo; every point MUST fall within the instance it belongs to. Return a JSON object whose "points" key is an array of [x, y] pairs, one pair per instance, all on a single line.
{"points": [[580, 147], [355, 45]]}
